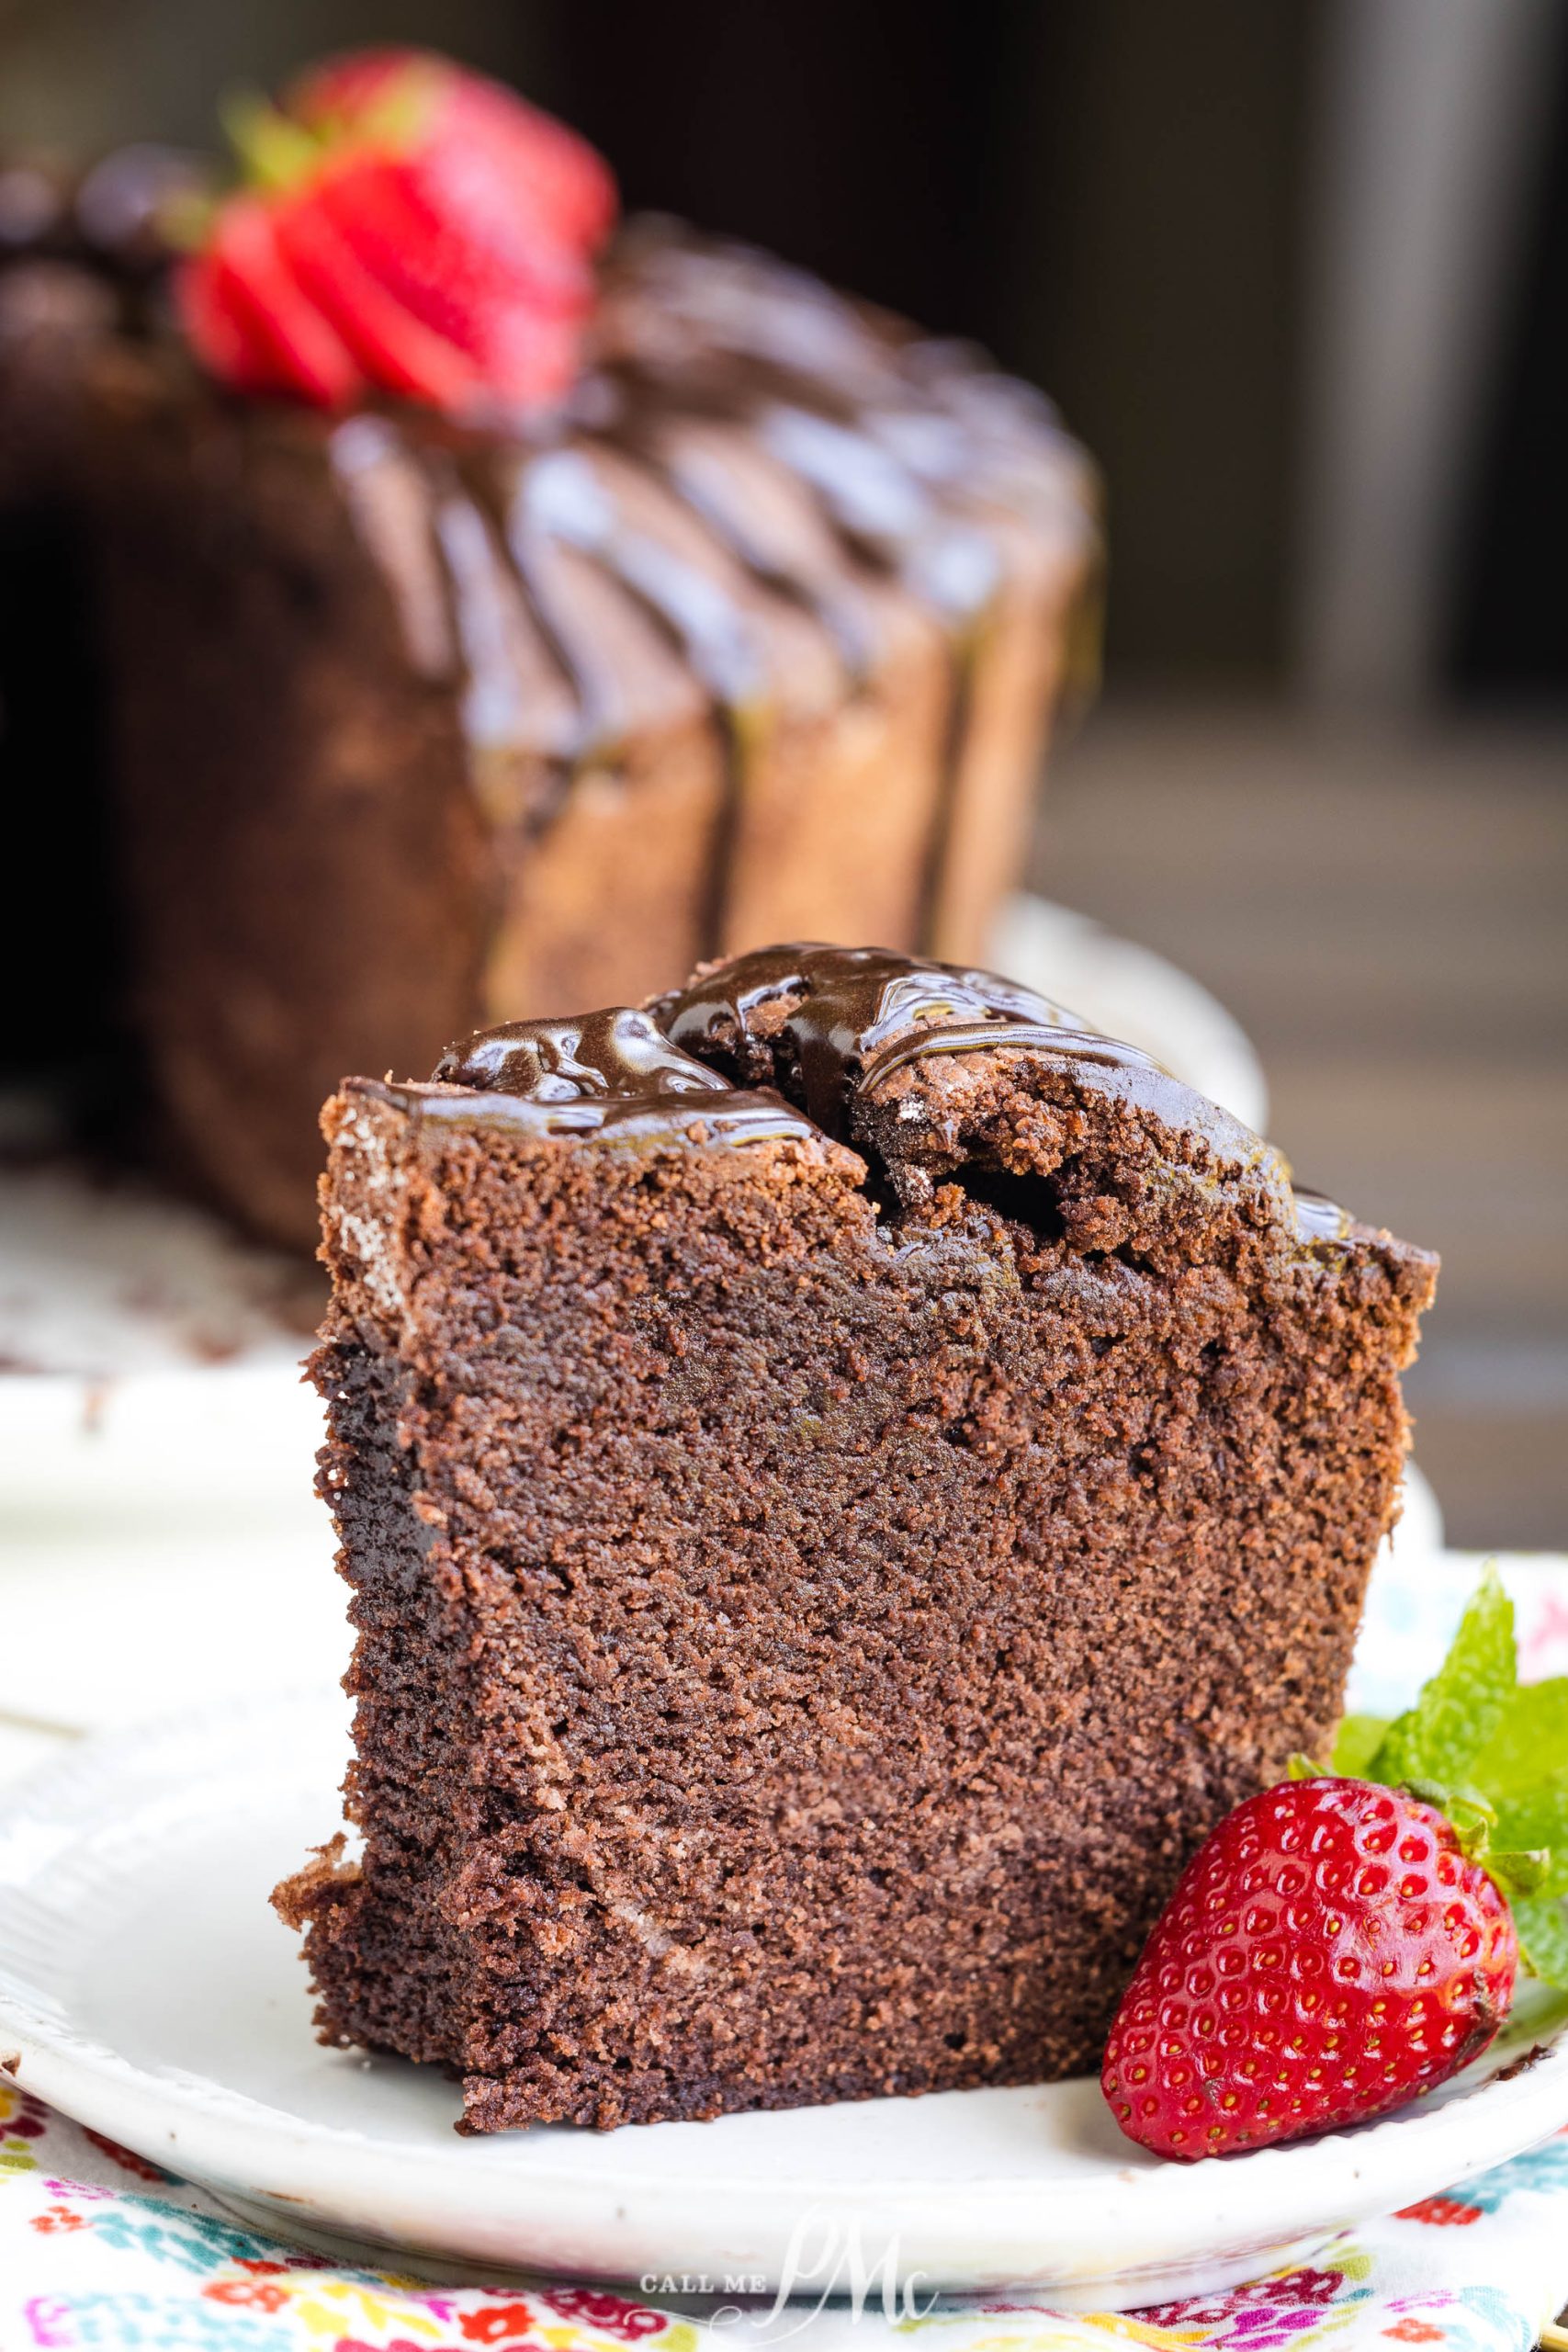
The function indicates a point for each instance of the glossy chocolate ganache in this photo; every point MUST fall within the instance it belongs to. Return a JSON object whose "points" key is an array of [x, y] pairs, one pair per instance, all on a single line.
{"points": [[806, 1027], [743, 439], [795, 1040]]}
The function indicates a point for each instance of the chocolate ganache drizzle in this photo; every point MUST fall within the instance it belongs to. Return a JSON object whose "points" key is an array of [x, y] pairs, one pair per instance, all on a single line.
{"points": [[899, 459], [826, 1022], [614, 1071], [742, 438], [617, 1052], [784, 1042], [778, 1042]]}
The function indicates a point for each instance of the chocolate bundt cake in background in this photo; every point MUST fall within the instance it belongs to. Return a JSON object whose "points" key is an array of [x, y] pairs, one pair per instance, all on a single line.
{"points": [[845, 1478], [414, 722]]}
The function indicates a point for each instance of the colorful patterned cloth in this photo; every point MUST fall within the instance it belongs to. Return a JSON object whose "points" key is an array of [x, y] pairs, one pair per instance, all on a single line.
{"points": [[98, 2248]]}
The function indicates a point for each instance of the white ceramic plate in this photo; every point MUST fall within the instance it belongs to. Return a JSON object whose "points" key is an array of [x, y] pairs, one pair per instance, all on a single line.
{"points": [[147, 1989]]}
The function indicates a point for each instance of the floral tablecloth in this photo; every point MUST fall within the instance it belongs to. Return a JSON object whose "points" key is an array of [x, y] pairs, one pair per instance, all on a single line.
{"points": [[98, 2248]]}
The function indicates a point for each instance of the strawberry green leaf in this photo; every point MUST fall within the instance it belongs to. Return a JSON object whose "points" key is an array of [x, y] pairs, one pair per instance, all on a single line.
{"points": [[1472, 1818], [1541, 1921], [274, 153], [1356, 1743], [1459, 1709], [1517, 1874]]}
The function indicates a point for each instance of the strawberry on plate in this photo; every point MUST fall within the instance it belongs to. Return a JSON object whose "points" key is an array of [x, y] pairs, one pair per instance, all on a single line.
{"points": [[404, 227], [1350, 1940]]}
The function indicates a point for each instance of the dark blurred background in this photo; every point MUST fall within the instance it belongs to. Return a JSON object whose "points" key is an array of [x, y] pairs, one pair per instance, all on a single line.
{"points": [[1297, 271]]}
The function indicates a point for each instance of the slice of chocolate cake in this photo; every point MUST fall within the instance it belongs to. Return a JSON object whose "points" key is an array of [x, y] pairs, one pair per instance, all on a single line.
{"points": [[845, 1477]]}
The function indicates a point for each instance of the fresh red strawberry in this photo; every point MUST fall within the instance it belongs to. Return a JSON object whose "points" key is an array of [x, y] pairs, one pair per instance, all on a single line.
{"points": [[498, 309], [1328, 1953], [389, 345], [413, 229], [555, 176], [251, 320], [1340, 1944]]}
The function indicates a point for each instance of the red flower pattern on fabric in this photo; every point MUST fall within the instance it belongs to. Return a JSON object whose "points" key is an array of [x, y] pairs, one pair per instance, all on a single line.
{"points": [[612, 2315], [1441, 2212], [249, 2294], [1305, 2290], [57, 2217], [502, 2322]]}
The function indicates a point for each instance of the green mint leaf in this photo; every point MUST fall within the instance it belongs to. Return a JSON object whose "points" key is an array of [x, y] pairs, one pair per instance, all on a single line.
{"points": [[1494, 1759], [1356, 1743], [1530, 1743], [1541, 1921], [1538, 1818], [1459, 1709], [1524, 1768]]}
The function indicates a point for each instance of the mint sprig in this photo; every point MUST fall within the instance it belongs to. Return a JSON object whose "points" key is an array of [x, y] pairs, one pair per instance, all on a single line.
{"points": [[1358, 1741], [1463, 1706], [1540, 1922], [1492, 1754]]}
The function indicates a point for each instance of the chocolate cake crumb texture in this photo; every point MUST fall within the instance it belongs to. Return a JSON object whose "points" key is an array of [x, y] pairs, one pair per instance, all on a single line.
{"points": [[845, 1477]]}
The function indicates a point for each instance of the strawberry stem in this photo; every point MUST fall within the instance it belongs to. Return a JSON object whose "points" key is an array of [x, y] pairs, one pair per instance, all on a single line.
{"points": [[273, 153]]}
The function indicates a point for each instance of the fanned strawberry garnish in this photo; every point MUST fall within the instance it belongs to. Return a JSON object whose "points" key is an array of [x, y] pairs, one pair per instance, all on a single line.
{"points": [[275, 336], [553, 176], [390, 345], [407, 228]]}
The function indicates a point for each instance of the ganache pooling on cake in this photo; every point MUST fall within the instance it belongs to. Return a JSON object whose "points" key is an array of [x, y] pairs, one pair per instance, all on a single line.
{"points": [[809, 1023], [614, 1071], [783, 1041]]}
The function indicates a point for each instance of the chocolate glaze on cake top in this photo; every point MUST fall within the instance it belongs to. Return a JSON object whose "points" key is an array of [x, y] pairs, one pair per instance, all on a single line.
{"points": [[791, 1040], [812, 1022], [618, 1053], [615, 1069], [836, 1020], [822, 1021], [740, 430], [910, 450]]}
